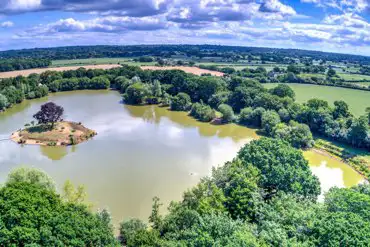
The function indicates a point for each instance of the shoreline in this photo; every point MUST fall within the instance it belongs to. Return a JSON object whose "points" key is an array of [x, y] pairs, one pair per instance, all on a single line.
{"points": [[64, 133]]}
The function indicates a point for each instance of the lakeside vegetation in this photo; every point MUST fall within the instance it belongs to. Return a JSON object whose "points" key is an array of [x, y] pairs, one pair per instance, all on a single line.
{"points": [[238, 99], [265, 196]]}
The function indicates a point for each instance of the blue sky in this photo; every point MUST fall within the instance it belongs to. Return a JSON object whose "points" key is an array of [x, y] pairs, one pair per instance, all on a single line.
{"points": [[327, 25]]}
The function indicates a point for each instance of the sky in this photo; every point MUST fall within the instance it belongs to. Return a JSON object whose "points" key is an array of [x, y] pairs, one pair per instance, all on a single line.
{"points": [[326, 25]]}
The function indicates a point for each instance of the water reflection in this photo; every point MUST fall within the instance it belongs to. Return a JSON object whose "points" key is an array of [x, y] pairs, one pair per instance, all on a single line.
{"points": [[57, 153], [139, 152]]}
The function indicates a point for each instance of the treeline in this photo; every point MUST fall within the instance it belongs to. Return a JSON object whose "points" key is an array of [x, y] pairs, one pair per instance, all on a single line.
{"points": [[227, 53], [238, 99], [266, 196], [23, 63]]}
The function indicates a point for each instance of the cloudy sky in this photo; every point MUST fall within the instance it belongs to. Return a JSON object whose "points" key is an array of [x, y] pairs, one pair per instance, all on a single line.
{"points": [[328, 25]]}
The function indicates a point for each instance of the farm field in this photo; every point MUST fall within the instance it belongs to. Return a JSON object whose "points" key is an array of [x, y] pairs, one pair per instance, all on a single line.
{"points": [[357, 100], [96, 61], [193, 70]]}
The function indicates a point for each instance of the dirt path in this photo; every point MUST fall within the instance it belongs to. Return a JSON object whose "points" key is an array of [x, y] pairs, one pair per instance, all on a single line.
{"points": [[194, 70]]}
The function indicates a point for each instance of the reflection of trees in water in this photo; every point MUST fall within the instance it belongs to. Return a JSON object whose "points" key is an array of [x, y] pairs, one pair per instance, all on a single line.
{"points": [[57, 153], [154, 114]]}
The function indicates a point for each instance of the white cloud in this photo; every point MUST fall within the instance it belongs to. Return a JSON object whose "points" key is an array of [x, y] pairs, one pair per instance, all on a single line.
{"points": [[6, 24]]}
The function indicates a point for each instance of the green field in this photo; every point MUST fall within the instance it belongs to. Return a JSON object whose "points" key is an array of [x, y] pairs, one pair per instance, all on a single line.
{"points": [[357, 100], [354, 77], [94, 61]]}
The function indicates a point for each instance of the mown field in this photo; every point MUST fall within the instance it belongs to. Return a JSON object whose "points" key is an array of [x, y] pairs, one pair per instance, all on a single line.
{"points": [[357, 100], [96, 61]]}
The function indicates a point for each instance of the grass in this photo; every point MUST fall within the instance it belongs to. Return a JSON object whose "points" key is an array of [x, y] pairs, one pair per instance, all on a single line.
{"points": [[95, 61], [354, 77], [356, 99]]}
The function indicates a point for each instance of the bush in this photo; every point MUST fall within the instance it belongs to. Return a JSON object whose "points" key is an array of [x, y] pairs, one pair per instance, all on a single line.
{"points": [[298, 135], [136, 93], [269, 120], [181, 102], [253, 117], [202, 112], [227, 113], [3, 102]]}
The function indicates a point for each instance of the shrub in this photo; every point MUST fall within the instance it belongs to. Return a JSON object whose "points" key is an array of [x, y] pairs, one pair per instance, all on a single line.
{"points": [[227, 113], [202, 112], [181, 102]]}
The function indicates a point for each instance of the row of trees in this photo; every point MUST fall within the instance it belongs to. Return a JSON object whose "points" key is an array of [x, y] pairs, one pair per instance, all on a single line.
{"points": [[20, 64], [266, 196], [238, 99]]}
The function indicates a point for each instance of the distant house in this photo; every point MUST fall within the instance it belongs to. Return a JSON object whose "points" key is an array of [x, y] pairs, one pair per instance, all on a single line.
{"points": [[273, 74]]}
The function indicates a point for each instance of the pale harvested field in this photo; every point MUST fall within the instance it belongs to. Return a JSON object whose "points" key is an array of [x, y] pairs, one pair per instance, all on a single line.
{"points": [[193, 70], [39, 71]]}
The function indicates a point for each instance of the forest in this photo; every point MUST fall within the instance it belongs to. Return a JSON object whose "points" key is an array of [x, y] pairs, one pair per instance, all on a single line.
{"points": [[232, 53], [23, 63]]}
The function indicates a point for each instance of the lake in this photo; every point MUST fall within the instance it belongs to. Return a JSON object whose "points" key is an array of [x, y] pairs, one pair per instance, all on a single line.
{"points": [[139, 152]]}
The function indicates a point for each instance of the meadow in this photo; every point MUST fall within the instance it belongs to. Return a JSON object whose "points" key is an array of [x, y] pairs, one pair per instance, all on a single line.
{"points": [[357, 100]]}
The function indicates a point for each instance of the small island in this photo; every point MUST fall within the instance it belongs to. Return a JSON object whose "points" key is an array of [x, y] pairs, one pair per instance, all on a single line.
{"points": [[51, 130]]}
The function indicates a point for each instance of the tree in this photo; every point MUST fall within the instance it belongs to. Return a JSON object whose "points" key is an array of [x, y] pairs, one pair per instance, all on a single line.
{"points": [[32, 176], [358, 132], [269, 120], [50, 113], [298, 135], [136, 93], [202, 112], [368, 113], [32, 214], [129, 228], [331, 73], [227, 113], [283, 90], [3, 102], [181, 102], [282, 168], [317, 103], [341, 109]]}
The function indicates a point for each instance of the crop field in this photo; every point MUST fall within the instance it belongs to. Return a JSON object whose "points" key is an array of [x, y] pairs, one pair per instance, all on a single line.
{"points": [[357, 100], [96, 61]]}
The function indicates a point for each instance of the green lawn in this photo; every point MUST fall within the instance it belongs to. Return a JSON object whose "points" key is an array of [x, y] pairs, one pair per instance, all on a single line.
{"points": [[94, 61], [357, 100]]}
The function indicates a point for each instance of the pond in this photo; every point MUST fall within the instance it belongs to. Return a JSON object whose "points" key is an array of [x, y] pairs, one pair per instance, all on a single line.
{"points": [[139, 152]]}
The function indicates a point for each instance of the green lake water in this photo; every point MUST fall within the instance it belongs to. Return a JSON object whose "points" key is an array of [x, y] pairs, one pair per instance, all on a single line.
{"points": [[139, 152]]}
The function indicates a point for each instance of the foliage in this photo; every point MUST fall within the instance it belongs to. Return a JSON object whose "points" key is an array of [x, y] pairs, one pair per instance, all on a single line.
{"points": [[283, 90], [32, 214], [202, 112], [282, 168], [3, 102], [50, 113], [129, 228], [181, 102], [269, 120], [227, 113], [136, 93], [31, 176], [298, 135]]}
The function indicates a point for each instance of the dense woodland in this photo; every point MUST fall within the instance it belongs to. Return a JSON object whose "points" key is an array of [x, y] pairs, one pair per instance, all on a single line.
{"points": [[232, 53], [23, 63], [265, 196]]}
